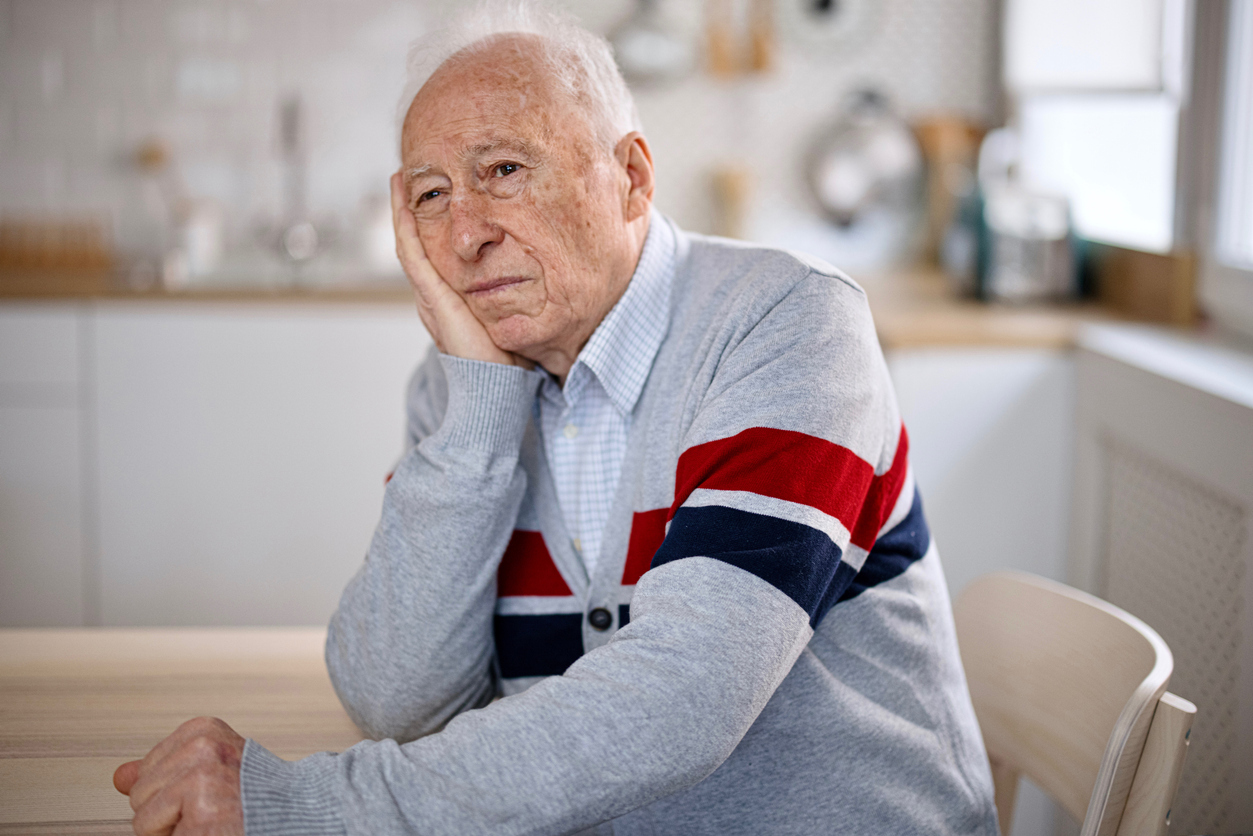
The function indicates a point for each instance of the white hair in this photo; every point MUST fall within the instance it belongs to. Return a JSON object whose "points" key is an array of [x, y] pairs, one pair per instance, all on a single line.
{"points": [[581, 62]]}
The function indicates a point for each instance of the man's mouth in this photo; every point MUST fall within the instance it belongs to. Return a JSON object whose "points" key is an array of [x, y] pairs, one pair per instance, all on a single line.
{"points": [[486, 287]]}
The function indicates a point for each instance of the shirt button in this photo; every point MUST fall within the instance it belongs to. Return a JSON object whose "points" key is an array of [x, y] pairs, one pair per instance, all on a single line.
{"points": [[600, 618], [570, 431], [578, 545]]}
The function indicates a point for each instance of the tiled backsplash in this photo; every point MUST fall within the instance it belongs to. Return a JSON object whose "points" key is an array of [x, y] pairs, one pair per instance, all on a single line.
{"points": [[84, 82]]}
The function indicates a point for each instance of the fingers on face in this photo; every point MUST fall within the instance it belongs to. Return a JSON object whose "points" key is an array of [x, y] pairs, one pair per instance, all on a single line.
{"points": [[436, 300], [398, 200], [408, 245]]}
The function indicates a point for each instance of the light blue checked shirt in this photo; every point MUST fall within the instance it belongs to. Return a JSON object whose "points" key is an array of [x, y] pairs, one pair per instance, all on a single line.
{"points": [[585, 425]]}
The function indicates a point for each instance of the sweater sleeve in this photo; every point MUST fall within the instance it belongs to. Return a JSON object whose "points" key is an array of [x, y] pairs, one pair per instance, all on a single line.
{"points": [[716, 623], [797, 461], [410, 644]]}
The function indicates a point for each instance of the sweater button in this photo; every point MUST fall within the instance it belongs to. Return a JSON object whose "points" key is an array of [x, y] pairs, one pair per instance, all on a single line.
{"points": [[600, 618]]}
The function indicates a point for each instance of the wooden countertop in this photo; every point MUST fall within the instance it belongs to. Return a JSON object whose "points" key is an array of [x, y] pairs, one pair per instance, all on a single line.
{"points": [[913, 308], [77, 703], [93, 286], [917, 309]]}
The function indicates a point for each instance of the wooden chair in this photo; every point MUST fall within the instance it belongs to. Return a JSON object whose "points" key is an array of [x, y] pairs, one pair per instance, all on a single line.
{"points": [[1071, 691]]}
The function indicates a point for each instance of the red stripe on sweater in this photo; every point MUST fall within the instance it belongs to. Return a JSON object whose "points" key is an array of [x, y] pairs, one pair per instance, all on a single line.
{"points": [[648, 530], [800, 468], [884, 491], [527, 568]]}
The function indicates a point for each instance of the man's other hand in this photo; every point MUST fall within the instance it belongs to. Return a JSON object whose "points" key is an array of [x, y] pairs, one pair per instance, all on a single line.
{"points": [[188, 785], [452, 325]]}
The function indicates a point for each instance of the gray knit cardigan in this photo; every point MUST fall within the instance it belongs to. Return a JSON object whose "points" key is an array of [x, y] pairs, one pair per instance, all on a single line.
{"points": [[766, 646]]}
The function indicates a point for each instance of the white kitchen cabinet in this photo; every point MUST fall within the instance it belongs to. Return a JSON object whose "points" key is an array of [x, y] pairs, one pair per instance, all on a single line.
{"points": [[992, 444], [242, 454], [39, 349], [41, 534], [44, 561]]}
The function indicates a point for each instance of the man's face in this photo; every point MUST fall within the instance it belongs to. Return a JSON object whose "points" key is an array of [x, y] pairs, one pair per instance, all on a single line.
{"points": [[518, 210]]}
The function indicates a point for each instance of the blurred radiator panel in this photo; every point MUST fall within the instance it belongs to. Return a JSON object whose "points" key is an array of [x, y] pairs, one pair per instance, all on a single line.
{"points": [[1162, 507], [1173, 556]]}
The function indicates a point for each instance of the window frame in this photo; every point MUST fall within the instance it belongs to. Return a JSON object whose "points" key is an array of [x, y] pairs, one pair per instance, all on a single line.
{"points": [[1225, 290]]}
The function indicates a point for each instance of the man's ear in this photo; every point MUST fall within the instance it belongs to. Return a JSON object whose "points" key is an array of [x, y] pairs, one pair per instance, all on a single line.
{"points": [[636, 159]]}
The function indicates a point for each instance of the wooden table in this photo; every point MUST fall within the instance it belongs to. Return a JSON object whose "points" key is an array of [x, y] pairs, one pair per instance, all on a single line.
{"points": [[74, 704]]}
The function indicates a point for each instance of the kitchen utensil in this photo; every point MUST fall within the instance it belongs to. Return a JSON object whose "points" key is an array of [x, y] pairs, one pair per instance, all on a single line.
{"points": [[867, 158], [1030, 251], [299, 237], [649, 49]]}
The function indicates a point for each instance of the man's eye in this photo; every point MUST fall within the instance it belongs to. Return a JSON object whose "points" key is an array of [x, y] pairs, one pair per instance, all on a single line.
{"points": [[505, 169], [431, 195]]}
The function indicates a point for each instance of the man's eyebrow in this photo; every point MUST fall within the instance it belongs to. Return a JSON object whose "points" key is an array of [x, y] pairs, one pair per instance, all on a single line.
{"points": [[483, 149], [414, 173]]}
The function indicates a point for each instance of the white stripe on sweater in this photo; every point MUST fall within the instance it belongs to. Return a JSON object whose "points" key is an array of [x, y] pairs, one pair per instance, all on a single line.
{"points": [[755, 503]]}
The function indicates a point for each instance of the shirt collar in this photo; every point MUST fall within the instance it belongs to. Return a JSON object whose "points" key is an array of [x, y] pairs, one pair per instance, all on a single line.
{"points": [[621, 350]]}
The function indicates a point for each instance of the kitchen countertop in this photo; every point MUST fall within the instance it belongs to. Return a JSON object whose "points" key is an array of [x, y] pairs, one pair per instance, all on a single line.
{"points": [[95, 286], [913, 308], [77, 703], [917, 309]]}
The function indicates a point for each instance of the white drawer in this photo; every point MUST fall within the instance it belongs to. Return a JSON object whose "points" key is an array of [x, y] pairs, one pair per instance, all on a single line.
{"points": [[39, 344]]}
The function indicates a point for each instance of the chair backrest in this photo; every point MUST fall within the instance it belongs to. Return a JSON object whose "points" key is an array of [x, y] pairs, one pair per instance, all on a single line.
{"points": [[1066, 687]]}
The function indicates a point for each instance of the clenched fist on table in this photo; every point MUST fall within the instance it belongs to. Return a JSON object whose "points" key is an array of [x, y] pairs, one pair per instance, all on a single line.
{"points": [[188, 785]]}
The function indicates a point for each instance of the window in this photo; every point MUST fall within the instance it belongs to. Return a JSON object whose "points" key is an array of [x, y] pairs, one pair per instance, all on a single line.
{"points": [[1098, 87], [1234, 244], [1227, 271], [1113, 155]]}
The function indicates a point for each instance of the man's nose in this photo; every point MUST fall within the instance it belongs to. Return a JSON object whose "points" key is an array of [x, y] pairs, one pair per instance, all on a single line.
{"points": [[473, 231]]}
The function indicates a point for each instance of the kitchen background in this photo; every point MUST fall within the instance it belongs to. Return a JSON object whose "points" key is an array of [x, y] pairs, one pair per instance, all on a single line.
{"points": [[204, 336], [88, 85]]}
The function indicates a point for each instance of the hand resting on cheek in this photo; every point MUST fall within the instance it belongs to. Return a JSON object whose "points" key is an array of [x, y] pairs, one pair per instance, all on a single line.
{"points": [[451, 323]]}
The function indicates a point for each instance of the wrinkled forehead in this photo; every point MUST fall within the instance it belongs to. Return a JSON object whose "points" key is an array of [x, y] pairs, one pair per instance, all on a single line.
{"points": [[499, 93]]}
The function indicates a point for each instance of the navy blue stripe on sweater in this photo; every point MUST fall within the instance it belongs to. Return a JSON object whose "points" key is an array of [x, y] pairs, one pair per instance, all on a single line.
{"points": [[800, 561], [894, 552], [537, 645]]}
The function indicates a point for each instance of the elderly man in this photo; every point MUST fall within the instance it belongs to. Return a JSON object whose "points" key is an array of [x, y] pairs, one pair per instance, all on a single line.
{"points": [[657, 500]]}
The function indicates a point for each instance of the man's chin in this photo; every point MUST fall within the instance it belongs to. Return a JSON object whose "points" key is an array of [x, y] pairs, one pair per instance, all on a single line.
{"points": [[518, 334]]}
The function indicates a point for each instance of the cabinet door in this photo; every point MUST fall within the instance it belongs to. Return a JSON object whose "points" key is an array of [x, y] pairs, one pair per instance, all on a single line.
{"points": [[41, 534], [991, 441], [243, 451]]}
